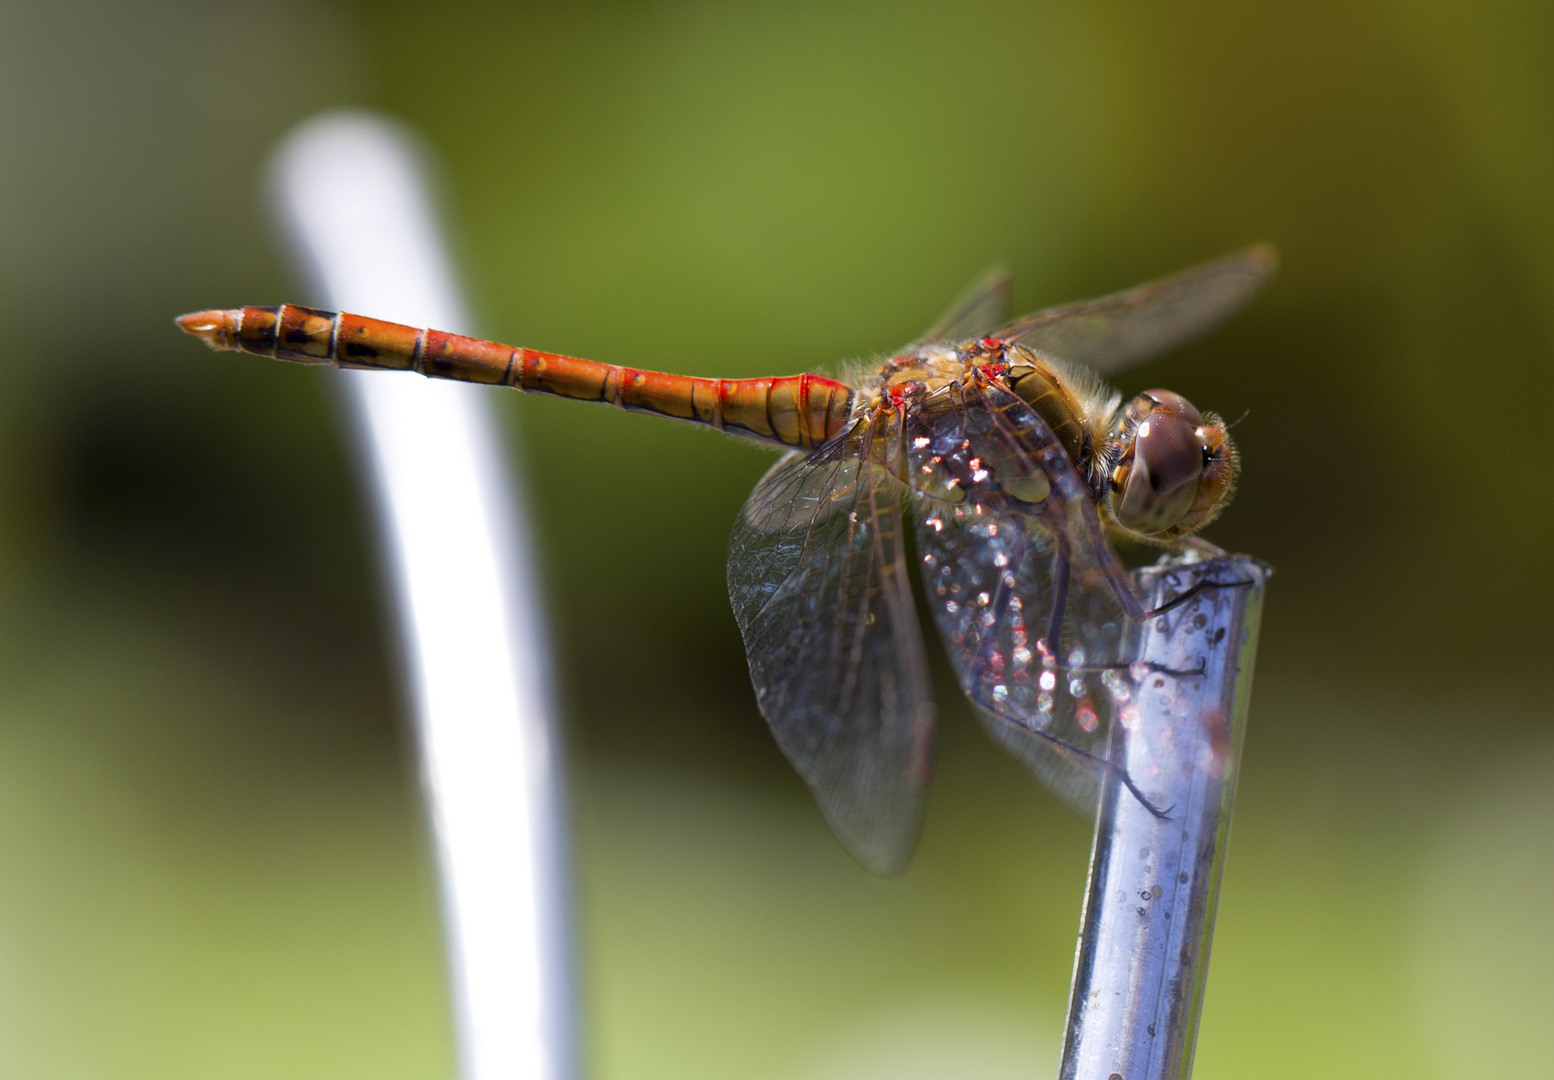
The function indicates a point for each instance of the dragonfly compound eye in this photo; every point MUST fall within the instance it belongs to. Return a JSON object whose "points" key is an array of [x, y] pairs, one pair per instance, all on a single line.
{"points": [[1221, 463], [1160, 487], [1176, 403]]}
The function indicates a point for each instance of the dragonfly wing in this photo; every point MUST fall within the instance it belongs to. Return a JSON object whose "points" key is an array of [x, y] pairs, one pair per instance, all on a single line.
{"points": [[1117, 331], [983, 305], [819, 585], [999, 546]]}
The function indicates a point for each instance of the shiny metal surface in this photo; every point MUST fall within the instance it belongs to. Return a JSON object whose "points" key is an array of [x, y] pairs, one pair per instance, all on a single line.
{"points": [[352, 190], [1143, 955]]}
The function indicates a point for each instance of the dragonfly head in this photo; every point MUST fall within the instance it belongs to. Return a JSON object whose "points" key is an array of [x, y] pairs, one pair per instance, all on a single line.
{"points": [[1174, 467]]}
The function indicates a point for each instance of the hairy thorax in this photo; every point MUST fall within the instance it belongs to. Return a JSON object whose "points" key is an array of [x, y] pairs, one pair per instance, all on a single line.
{"points": [[1075, 414]]}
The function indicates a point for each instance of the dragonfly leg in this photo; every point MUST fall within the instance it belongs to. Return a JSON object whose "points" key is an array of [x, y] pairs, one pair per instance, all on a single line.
{"points": [[1202, 585], [1122, 585], [1000, 607], [1063, 746], [979, 695], [1149, 665], [1060, 569]]}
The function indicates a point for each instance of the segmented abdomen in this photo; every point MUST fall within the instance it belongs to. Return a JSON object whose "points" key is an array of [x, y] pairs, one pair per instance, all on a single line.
{"points": [[796, 410]]}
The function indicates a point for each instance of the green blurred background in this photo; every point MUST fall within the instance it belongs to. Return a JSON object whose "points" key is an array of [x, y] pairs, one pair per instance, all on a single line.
{"points": [[211, 856]]}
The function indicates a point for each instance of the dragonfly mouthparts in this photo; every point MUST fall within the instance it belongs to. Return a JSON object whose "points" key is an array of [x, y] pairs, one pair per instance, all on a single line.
{"points": [[218, 329]]}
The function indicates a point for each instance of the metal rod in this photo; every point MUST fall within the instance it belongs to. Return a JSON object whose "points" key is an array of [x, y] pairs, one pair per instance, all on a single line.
{"points": [[352, 191], [1143, 954]]}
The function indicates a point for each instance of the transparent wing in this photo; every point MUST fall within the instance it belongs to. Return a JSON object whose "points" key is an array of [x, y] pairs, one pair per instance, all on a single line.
{"points": [[820, 590], [1114, 332], [1011, 569], [983, 305]]}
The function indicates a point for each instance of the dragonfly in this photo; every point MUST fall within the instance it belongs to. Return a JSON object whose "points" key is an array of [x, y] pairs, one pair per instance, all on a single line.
{"points": [[1017, 467]]}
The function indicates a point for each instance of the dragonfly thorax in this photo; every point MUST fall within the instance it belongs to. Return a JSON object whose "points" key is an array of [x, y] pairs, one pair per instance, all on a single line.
{"points": [[1059, 403], [920, 375]]}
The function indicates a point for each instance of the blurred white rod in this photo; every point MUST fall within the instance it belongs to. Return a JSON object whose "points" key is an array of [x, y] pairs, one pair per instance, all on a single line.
{"points": [[1143, 957], [352, 191]]}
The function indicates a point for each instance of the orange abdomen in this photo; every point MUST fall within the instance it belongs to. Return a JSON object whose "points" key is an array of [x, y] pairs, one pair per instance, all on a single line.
{"points": [[796, 410]]}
